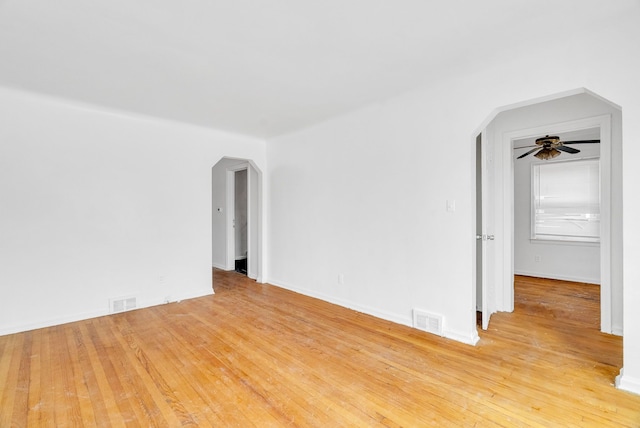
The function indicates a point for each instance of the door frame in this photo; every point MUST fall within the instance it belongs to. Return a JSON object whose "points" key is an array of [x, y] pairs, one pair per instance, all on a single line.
{"points": [[232, 223], [505, 249], [255, 266], [230, 217]]}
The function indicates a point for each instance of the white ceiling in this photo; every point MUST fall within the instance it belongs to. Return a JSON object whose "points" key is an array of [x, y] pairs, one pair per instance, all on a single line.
{"points": [[263, 68]]}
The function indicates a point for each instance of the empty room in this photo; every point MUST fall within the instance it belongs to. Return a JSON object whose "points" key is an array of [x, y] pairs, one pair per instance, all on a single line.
{"points": [[337, 213]]}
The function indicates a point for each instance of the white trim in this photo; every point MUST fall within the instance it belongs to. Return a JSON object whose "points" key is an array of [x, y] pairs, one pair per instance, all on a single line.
{"points": [[627, 383], [255, 212], [54, 321], [488, 269], [472, 339], [506, 284], [564, 242], [539, 100], [407, 321], [252, 234], [95, 314], [595, 281], [505, 278], [238, 167], [606, 284], [230, 214], [231, 204], [547, 238], [474, 224]]}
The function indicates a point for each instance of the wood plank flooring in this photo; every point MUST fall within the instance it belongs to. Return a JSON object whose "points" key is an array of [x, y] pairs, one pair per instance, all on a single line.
{"points": [[258, 355]]}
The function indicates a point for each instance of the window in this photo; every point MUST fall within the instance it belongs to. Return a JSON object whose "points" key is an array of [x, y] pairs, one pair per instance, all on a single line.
{"points": [[566, 201]]}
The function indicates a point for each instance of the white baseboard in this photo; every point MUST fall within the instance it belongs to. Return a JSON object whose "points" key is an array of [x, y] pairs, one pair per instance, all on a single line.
{"points": [[19, 328], [219, 266], [178, 298], [627, 383], [407, 321], [344, 303], [559, 277], [468, 339]]}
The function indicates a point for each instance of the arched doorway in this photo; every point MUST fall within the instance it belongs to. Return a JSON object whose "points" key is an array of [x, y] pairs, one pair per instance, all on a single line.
{"points": [[237, 227], [566, 112]]}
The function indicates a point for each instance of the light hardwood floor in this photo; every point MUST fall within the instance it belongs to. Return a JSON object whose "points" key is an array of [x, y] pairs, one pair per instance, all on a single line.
{"points": [[258, 355]]}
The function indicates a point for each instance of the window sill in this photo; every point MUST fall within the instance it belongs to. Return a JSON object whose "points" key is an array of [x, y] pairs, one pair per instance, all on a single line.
{"points": [[552, 241]]}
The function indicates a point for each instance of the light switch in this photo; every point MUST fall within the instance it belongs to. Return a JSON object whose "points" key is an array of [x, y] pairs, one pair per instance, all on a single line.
{"points": [[451, 205]]}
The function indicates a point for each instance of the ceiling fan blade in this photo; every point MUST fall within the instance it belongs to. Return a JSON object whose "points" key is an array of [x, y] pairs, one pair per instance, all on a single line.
{"points": [[581, 142], [528, 153], [568, 149]]}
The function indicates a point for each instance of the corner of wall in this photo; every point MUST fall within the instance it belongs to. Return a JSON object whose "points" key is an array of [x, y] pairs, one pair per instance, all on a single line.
{"points": [[627, 383], [468, 339]]}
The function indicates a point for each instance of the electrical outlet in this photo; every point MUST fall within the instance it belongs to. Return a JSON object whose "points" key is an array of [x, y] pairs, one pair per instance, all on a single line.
{"points": [[537, 258], [341, 278]]}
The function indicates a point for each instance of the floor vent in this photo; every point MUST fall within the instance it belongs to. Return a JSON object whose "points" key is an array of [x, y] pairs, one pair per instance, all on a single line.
{"points": [[122, 304], [428, 322]]}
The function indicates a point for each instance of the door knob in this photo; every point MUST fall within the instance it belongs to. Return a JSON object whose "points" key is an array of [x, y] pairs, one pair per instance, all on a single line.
{"points": [[485, 237]]}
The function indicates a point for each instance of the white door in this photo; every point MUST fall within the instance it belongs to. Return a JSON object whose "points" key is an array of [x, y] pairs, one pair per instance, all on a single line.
{"points": [[485, 254], [478, 229]]}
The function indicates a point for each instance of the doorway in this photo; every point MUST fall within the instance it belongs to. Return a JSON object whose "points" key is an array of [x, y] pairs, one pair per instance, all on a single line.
{"points": [[240, 222], [237, 217], [579, 109]]}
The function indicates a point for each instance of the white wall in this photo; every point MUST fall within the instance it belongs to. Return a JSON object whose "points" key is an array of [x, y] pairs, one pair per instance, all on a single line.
{"points": [[364, 195], [98, 204]]}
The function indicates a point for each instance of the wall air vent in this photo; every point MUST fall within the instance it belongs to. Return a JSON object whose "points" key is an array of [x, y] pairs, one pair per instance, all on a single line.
{"points": [[425, 321], [122, 304]]}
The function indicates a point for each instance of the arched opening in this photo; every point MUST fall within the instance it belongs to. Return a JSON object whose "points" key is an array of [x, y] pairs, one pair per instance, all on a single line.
{"points": [[237, 217], [575, 112]]}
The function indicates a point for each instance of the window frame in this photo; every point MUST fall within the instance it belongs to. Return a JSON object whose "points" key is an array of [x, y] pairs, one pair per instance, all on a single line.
{"points": [[566, 239]]}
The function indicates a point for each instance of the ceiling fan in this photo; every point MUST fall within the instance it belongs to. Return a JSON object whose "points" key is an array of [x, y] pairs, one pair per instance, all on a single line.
{"points": [[550, 146]]}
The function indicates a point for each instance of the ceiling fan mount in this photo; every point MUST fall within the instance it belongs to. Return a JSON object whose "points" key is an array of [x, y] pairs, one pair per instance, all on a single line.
{"points": [[551, 146], [553, 140]]}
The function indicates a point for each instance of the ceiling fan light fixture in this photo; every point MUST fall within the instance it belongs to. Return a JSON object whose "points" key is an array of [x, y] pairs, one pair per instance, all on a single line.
{"points": [[547, 153], [551, 146]]}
